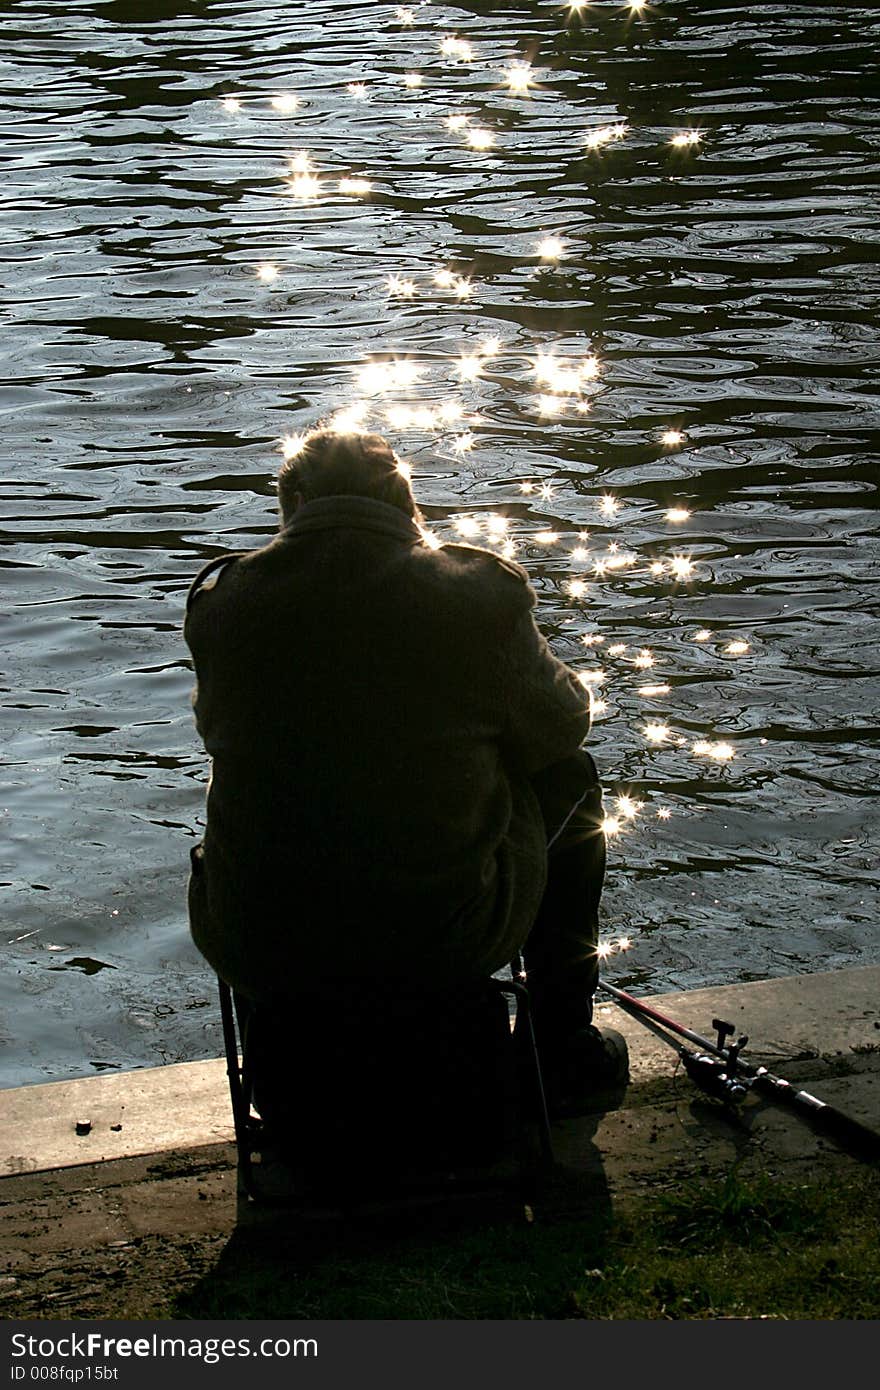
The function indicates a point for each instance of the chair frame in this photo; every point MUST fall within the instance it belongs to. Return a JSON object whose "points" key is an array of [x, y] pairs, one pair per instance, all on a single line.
{"points": [[247, 1125]]}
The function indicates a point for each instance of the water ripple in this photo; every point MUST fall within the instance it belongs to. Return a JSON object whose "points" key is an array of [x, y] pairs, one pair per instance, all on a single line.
{"points": [[729, 290]]}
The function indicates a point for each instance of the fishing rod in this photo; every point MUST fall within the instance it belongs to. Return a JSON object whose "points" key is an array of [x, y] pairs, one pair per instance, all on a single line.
{"points": [[718, 1069]]}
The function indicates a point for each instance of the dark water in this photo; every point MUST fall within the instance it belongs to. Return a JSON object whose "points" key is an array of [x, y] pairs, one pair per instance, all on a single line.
{"points": [[729, 289]]}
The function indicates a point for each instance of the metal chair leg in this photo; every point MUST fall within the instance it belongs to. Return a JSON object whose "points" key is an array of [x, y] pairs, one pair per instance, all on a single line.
{"points": [[239, 1091], [523, 1020]]}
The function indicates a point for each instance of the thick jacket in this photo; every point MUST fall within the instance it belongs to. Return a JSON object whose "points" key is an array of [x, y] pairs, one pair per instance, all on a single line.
{"points": [[373, 709]]}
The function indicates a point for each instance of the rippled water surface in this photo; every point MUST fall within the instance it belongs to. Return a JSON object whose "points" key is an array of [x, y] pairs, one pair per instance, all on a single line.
{"points": [[728, 290]]}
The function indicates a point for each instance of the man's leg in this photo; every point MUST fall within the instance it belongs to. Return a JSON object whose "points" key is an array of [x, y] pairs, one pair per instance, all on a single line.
{"points": [[560, 953], [562, 967]]}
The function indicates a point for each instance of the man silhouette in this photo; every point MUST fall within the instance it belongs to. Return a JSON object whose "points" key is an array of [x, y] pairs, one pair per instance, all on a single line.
{"points": [[398, 787]]}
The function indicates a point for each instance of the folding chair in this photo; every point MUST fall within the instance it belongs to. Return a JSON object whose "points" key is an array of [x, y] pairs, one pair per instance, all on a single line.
{"points": [[352, 1142]]}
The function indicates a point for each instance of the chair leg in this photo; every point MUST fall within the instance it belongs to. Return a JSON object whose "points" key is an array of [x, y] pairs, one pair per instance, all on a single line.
{"points": [[239, 1091], [523, 1021]]}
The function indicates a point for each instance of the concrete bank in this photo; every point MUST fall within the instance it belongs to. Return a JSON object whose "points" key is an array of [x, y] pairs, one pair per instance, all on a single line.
{"points": [[118, 1190]]}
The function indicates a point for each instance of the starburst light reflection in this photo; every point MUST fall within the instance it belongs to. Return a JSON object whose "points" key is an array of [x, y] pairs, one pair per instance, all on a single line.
{"points": [[305, 186], [285, 103], [451, 411], [682, 567], [292, 445], [519, 78], [380, 376], [480, 138], [350, 419], [657, 733], [551, 248], [400, 288], [453, 47], [356, 186], [718, 752], [469, 366], [604, 135]]}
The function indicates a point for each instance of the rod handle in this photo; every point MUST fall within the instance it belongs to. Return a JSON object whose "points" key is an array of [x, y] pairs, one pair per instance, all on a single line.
{"points": [[851, 1135]]}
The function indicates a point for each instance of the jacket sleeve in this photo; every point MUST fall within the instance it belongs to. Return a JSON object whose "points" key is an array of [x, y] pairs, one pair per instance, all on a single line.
{"points": [[202, 627], [548, 709]]}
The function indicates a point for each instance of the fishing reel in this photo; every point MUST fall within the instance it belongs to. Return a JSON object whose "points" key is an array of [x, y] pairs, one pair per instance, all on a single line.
{"points": [[714, 1077], [719, 1076]]}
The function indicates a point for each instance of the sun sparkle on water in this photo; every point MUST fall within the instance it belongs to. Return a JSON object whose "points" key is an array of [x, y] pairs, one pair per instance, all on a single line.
{"points": [[286, 103], [480, 138], [563, 388], [519, 78]]}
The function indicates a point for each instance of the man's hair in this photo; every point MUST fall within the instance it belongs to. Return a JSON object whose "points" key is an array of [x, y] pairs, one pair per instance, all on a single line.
{"points": [[344, 465]]}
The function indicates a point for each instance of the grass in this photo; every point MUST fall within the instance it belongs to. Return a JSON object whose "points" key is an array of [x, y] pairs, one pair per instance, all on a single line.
{"points": [[732, 1248]]}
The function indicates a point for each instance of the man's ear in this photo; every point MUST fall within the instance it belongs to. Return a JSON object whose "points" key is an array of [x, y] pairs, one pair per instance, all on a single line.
{"points": [[298, 501]]}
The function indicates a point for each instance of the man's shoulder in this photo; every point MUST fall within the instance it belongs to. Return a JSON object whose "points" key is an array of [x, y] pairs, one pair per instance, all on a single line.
{"points": [[484, 581], [211, 574], [485, 564]]}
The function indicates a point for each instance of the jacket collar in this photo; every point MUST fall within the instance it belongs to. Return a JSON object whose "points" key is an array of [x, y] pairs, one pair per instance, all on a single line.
{"points": [[343, 513]]}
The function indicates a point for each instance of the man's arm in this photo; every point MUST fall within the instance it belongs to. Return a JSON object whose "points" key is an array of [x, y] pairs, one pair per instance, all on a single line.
{"points": [[548, 710], [200, 593]]}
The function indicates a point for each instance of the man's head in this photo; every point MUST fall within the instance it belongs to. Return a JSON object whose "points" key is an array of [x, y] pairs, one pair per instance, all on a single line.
{"points": [[344, 465]]}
